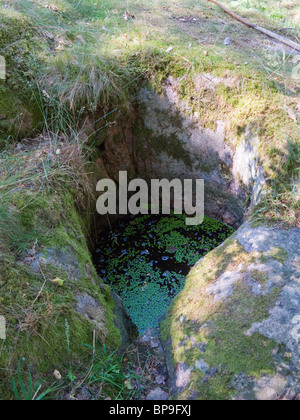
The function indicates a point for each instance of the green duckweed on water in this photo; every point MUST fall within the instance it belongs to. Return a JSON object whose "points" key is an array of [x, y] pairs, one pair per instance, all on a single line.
{"points": [[145, 259]]}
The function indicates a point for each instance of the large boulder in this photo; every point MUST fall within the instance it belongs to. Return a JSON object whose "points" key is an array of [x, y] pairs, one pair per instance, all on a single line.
{"points": [[234, 331]]}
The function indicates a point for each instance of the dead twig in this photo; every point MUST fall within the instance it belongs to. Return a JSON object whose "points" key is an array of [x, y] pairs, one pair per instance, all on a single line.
{"points": [[43, 286], [271, 34]]}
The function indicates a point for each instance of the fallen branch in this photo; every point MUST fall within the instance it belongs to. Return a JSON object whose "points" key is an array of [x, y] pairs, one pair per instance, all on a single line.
{"points": [[279, 38]]}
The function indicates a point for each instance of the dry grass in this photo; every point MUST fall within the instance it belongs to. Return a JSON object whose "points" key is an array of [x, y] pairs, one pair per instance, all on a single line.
{"points": [[38, 167]]}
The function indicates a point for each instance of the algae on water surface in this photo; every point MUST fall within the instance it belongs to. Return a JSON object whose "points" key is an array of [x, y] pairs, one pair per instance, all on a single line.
{"points": [[146, 259]]}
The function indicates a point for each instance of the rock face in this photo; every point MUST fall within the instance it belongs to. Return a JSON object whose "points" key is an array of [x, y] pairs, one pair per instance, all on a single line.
{"points": [[157, 395], [240, 335], [67, 261], [160, 140], [64, 259], [96, 315], [129, 331], [93, 312], [177, 146]]}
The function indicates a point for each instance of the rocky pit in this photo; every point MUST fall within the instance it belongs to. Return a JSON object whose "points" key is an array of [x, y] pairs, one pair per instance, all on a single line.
{"points": [[232, 331], [162, 141], [229, 328]]}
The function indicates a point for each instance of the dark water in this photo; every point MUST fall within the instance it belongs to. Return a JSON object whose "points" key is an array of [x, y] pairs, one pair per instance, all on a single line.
{"points": [[145, 259]]}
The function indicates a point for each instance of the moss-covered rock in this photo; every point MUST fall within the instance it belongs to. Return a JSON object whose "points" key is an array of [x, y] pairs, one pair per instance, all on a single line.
{"points": [[231, 327], [51, 297]]}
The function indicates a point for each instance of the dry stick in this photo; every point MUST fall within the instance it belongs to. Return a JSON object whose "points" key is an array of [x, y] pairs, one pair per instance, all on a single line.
{"points": [[38, 390], [279, 38], [43, 287]]}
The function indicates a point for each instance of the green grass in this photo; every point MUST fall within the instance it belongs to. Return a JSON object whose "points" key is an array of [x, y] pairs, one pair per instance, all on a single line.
{"points": [[109, 373], [104, 376], [284, 12], [88, 57], [26, 390]]}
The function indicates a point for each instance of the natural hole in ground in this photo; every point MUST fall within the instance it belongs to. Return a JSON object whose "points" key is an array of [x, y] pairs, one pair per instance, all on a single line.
{"points": [[145, 259]]}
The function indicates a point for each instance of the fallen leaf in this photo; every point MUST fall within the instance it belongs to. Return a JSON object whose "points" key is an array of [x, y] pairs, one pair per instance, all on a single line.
{"points": [[52, 7], [57, 375], [128, 16], [59, 282], [128, 384], [61, 45]]}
